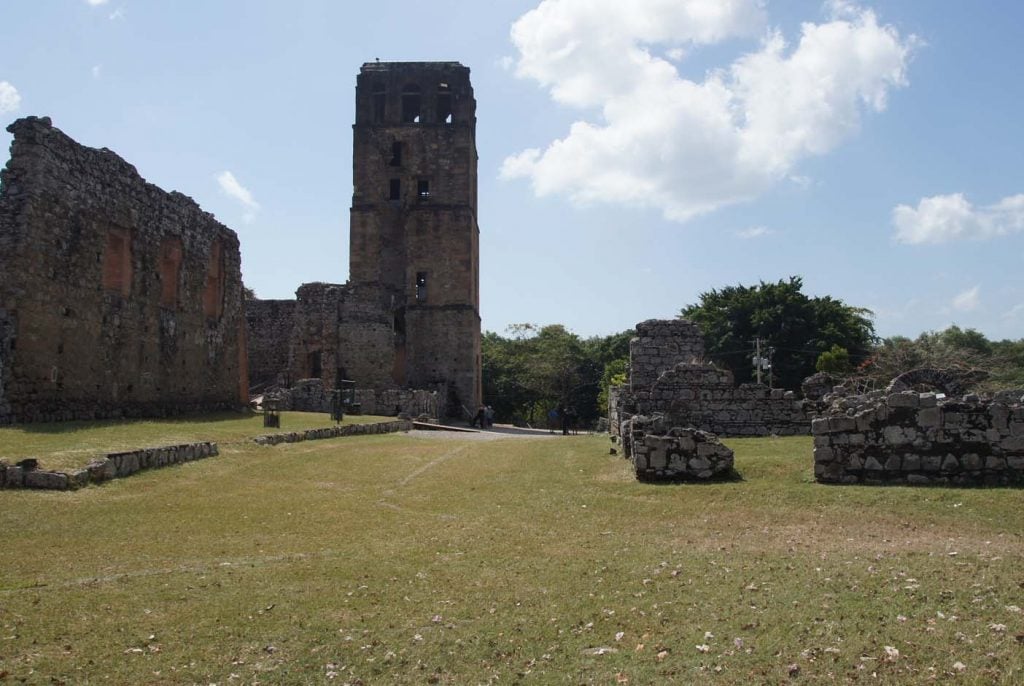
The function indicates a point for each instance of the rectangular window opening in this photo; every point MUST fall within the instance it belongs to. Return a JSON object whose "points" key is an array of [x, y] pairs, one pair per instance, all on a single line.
{"points": [[410, 108], [396, 154], [117, 262], [444, 108], [423, 188], [395, 192], [315, 364], [421, 286]]}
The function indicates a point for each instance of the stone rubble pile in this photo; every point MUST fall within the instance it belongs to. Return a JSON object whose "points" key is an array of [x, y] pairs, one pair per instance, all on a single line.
{"points": [[659, 451]]}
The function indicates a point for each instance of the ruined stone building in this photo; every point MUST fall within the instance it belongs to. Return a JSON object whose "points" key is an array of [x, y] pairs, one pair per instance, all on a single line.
{"points": [[409, 315], [668, 377], [116, 298]]}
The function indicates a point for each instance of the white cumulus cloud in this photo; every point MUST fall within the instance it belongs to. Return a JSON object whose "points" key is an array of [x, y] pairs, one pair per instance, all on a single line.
{"points": [[943, 218], [968, 301], [10, 99], [96, 3], [652, 138], [230, 186]]}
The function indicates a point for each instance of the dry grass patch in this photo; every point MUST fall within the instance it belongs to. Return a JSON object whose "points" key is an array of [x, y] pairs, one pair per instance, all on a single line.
{"points": [[386, 559]]}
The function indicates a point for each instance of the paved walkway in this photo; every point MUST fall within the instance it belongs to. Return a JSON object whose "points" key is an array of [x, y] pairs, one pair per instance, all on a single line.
{"points": [[493, 433]]}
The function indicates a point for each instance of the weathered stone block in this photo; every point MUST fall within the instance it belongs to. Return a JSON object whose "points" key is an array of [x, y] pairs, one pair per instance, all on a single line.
{"points": [[15, 477], [950, 463], [78, 479], [1013, 443], [894, 463], [895, 435], [911, 463], [47, 480], [995, 462], [840, 423], [929, 417], [904, 399], [971, 461], [918, 480], [931, 463], [873, 465]]}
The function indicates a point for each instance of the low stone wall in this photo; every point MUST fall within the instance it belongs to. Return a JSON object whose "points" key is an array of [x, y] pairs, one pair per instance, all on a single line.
{"points": [[335, 432], [920, 438], [659, 452], [113, 466]]}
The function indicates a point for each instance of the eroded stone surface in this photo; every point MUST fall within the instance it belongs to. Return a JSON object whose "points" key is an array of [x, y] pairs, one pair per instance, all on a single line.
{"points": [[669, 378], [116, 298], [920, 438], [662, 452]]}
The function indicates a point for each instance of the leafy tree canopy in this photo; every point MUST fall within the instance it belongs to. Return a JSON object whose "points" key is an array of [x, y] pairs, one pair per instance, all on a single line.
{"points": [[536, 368], [796, 327]]}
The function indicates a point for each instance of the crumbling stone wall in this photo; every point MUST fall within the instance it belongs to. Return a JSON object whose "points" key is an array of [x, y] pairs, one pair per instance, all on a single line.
{"points": [[920, 438], [313, 395], [668, 377], [659, 345], [660, 451], [704, 397], [327, 331], [116, 298]]}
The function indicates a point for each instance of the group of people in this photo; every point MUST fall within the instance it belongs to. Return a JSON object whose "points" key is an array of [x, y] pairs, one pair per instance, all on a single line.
{"points": [[484, 417]]}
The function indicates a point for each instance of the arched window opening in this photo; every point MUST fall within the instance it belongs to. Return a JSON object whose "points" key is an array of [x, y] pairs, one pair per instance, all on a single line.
{"points": [[411, 104]]}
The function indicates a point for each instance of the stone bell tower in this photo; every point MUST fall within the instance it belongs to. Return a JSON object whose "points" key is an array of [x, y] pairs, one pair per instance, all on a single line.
{"points": [[414, 233]]}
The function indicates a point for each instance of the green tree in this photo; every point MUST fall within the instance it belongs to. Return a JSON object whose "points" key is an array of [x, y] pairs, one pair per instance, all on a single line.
{"points": [[835, 360], [796, 328], [534, 369]]}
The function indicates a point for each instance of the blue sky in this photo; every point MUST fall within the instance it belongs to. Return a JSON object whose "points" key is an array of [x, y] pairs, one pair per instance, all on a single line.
{"points": [[632, 155]]}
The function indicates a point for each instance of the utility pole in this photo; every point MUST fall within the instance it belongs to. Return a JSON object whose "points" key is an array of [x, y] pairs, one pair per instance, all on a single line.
{"points": [[771, 366], [757, 358]]}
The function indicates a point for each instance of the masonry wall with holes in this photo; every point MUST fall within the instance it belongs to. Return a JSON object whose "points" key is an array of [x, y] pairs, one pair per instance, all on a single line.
{"points": [[116, 297]]}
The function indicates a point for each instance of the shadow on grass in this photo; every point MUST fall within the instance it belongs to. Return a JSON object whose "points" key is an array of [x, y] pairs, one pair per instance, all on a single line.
{"points": [[80, 425], [732, 476]]}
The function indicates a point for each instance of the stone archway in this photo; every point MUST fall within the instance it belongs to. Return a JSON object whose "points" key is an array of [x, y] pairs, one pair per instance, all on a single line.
{"points": [[950, 383]]}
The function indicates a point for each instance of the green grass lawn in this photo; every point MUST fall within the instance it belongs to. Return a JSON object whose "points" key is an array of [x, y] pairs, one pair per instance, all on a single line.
{"points": [[396, 559], [71, 445]]}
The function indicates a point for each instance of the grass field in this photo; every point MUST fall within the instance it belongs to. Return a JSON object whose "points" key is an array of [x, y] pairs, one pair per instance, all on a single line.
{"points": [[71, 445], [419, 559]]}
